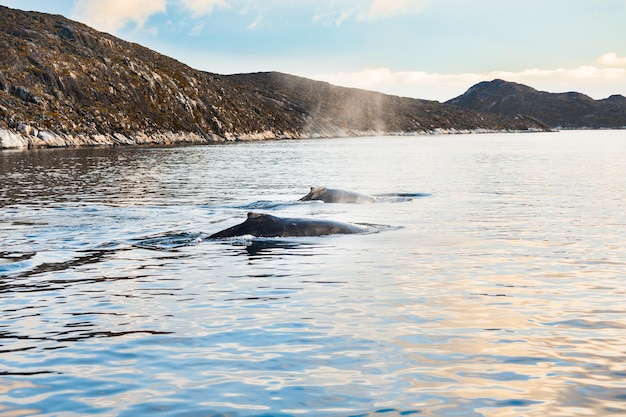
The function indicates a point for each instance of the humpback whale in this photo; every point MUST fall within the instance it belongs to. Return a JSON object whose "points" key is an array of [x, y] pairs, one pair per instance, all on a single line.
{"points": [[266, 225], [331, 195]]}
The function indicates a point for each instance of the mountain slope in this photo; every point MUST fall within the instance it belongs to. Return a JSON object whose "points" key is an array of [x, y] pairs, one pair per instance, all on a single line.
{"points": [[558, 110], [65, 77], [65, 84], [355, 110]]}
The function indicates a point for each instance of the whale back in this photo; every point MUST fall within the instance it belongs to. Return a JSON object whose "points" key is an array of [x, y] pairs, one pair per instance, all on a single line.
{"points": [[331, 195], [257, 224], [266, 225]]}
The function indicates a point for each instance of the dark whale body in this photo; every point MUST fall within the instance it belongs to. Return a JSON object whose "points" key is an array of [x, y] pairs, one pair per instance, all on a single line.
{"points": [[331, 195], [266, 225]]}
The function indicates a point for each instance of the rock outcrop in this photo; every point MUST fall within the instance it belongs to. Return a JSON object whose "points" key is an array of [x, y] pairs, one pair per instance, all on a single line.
{"points": [[557, 110], [65, 84]]}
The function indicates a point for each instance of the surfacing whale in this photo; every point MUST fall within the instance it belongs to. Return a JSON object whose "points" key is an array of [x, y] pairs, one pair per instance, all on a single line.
{"points": [[266, 225], [331, 195]]}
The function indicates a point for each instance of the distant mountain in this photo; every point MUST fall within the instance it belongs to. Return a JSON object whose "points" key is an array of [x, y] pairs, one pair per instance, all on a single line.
{"points": [[557, 110], [65, 84], [356, 111]]}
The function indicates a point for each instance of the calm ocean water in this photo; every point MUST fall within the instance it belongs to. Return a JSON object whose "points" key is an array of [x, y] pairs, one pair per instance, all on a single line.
{"points": [[502, 293]]}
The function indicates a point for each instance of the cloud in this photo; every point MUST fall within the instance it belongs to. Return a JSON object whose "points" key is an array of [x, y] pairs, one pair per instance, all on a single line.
{"points": [[381, 9], [359, 10], [595, 81], [417, 84], [203, 7], [113, 15], [334, 17], [610, 59], [255, 23]]}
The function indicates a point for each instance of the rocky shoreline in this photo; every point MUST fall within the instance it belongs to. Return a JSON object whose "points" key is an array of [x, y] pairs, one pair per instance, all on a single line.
{"points": [[26, 137], [23, 139], [12, 139]]}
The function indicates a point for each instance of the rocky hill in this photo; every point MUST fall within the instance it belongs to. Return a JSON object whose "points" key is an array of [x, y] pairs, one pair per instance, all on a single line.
{"points": [[557, 110], [65, 84], [359, 111]]}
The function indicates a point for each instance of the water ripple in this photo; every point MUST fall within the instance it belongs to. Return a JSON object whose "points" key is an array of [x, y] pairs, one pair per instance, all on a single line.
{"points": [[501, 294]]}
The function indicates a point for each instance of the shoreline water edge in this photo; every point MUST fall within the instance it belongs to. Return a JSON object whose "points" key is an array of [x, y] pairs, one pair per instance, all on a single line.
{"points": [[26, 137]]}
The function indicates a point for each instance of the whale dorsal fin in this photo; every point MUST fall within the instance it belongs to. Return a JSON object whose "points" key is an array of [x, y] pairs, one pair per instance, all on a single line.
{"points": [[252, 215]]}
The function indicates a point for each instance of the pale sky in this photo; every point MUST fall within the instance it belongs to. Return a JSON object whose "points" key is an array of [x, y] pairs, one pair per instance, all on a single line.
{"points": [[430, 49]]}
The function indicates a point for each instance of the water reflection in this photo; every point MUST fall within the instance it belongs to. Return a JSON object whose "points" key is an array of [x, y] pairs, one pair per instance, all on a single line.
{"points": [[104, 175], [499, 295], [257, 248]]}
